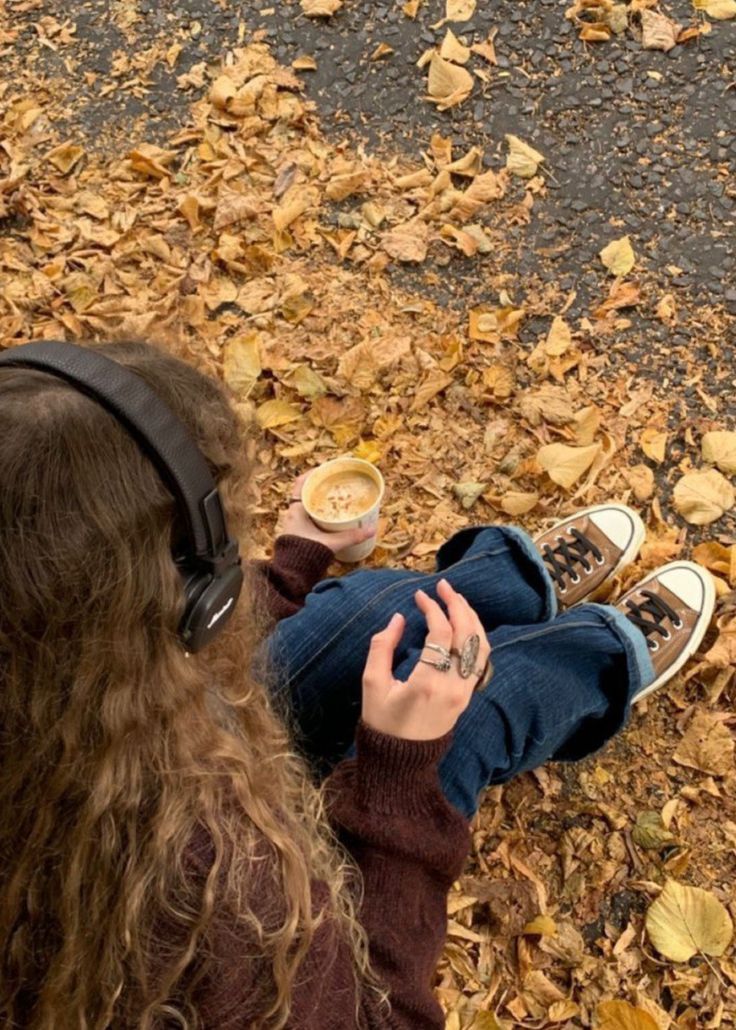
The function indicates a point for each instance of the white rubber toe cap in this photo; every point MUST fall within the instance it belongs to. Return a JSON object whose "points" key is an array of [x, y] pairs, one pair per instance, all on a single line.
{"points": [[688, 582], [621, 525]]}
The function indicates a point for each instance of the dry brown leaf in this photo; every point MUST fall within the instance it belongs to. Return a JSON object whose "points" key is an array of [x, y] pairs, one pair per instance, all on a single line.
{"points": [[707, 745], [242, 362], [703, 496], [719, 9], [453, 50], [304, 63], [65, 157], [719, 448], [621, 295], [517, 502], [448, 84], [559, 337], [658, 31], [618, 256], [433, 383], [619, 1015], [654, 443], [641, 481], [491, 325], [459, 10], [522, 160], [596, 32], [407, 242], [486, 50], [360, 365], [411, 7], [667, 309], [320, 8], [275, 413], [685, 920], [565, 465]]}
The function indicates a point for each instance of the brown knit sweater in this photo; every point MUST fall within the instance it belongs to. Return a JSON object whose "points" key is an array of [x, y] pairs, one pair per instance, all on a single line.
{"points": [[409, 843]]}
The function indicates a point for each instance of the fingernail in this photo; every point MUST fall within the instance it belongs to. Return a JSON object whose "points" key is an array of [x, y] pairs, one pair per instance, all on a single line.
{"points": [[445, 583]]}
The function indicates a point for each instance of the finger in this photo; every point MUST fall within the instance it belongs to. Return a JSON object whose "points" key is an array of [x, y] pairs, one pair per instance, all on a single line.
{"points": [[379, 665], [439, 630], [296, 489], [350, 537], [462, 617]]}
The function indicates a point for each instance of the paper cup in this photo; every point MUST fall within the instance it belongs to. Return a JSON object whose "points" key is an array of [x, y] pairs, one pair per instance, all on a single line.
{"points": [[365, 519]]}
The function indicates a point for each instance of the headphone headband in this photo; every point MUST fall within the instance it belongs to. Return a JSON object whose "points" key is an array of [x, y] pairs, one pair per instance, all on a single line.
{"points": [[161, 435]]}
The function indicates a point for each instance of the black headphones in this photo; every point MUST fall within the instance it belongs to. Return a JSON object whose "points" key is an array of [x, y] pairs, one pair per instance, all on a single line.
{"points": [[211, 570]]}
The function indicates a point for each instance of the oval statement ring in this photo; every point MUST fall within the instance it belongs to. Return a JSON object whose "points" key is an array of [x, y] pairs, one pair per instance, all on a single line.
{"points": [[469, 656]]}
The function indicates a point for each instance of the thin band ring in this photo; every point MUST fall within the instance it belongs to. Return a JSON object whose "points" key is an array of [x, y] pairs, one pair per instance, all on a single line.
{"points": [[444, 651], [443, 665]]}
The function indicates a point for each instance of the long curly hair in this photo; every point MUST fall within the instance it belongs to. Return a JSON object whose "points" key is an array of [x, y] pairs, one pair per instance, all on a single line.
{"points": [[118, 750]]}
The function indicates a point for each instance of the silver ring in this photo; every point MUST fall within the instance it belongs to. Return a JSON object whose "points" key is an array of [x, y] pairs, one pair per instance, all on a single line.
{"points": [[468, 655], [444, 665], [444, 651]]}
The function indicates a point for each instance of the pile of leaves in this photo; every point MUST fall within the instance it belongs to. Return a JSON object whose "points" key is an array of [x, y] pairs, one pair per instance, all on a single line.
{"points": [[598, 895]]}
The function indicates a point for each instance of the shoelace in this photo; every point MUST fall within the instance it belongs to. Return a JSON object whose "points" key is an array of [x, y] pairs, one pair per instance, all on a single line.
{"points": [[649, 616], [566, 556]]}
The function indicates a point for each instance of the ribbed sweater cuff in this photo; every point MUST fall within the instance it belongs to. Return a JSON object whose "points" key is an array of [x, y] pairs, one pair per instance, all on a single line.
{"points": [[308, 556], [396, 776]]}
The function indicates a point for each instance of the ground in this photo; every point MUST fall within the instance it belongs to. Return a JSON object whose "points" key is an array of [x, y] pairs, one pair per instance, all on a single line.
{"points": [[276, 197]]}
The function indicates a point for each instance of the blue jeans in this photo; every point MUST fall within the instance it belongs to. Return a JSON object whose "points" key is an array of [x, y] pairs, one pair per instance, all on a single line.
{"points": [[562, 685]]}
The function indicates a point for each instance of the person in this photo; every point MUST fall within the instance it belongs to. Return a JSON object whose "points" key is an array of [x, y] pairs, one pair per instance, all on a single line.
{"points": [[169, 856]]}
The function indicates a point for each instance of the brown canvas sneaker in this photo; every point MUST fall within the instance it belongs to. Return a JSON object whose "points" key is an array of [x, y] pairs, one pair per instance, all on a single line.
{"points": [[672, 607], [582, 552]]}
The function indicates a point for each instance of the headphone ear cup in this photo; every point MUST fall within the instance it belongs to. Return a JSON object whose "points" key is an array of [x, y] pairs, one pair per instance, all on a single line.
{"points": [[209, 603]]}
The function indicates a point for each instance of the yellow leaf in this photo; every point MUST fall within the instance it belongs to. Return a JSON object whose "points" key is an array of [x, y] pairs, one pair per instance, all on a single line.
{"points": [[490, 325], [242, 362], [411, 7], [516, 502], [459, 10], [407, 242], [719, 448], [522, 159], [545, 926], [719, 9], [618, 256], [596, 32], [653, 442], [151, 160], [65, 157], [276, 413], [565, 465], [448, 84], [559, 337], [320, 8], [453, 50], [619, 1015], [641, 481], [485, 1021], [368, 450], [703, 496], [714, 556], [306, 382], [382, 50], [189, 207], [304, 63], [686, 920]]}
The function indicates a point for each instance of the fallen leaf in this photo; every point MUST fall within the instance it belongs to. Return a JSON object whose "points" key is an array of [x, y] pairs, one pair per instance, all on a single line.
{"points": [[491, 325], [719, 9], [360, 364], [685, 920], [641, 481], [468, 493], [707, 745], [411, 7], [545, 926], [719, 448], [453, 50], [189, 207], [382, 50], [559, 337], [703, 496], [620, 295], [459, 10], [486, 50], [433, 383], [658, 31], [654, 443], [619, 1015], [666, 309], [242, 363], [448, 84], [320, 8], [307, 383], [596, 32], [618, 256], [304, 63], [65, 157], [275, 413], [522, 160], [407, 242], [368, 450], [565, 465], [517, 502], [649, 831]]}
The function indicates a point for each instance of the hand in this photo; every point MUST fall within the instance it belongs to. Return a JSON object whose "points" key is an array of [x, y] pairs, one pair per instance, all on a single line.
{"points": [[430, 702], [296, 522]]}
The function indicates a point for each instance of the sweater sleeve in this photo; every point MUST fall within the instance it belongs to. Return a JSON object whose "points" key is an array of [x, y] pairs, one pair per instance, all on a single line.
{"points": [[297, 565], [410, 844]]}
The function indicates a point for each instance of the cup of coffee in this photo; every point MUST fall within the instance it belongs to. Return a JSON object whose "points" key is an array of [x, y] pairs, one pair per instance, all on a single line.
{"points": [[345, 493]]}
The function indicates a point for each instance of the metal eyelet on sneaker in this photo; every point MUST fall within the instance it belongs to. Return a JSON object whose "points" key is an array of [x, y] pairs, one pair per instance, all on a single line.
{"points": [[653, 646], [667, 636], [679, 624], [575, 579], [600, 561]]}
